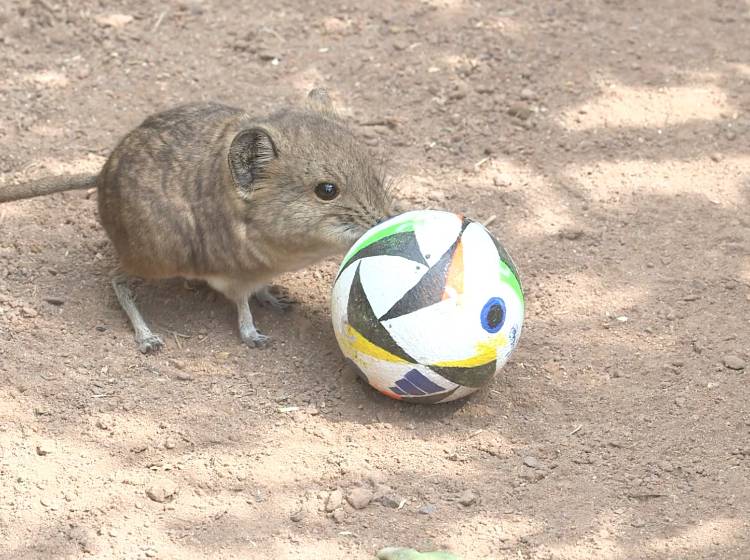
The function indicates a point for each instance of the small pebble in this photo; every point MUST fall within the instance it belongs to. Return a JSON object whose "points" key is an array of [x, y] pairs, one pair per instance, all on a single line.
{"points": [[162, 490], [54, 301], [533, 476], [170, 443], [520, 111], [467, 498], [571, 234], [297, 516], [392, 501], [498, 181], [183, 376], [178, 364], [334, 26], [339, 515], [532, 462], [195, 7], [113, 20], [334, 501], [29, 312], [44, 449], [666, 466], [427, 509], [734, 362], [105, 422], [359, 498], [527, 94]]}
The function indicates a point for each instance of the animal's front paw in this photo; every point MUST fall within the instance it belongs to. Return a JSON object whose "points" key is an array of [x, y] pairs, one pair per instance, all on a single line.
{"points": [[278, 301], [150, 344], [253, 338]]}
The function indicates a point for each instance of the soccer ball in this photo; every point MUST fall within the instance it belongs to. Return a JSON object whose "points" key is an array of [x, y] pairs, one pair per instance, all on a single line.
{"points": [[427, 306]]}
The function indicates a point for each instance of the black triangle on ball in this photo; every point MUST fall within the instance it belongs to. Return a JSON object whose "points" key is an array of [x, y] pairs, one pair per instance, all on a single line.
{"points": [[402, 244], [362, 318]]}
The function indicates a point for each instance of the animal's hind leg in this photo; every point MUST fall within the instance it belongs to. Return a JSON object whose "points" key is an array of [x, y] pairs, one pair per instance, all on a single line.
{"points": [[147, 341]]}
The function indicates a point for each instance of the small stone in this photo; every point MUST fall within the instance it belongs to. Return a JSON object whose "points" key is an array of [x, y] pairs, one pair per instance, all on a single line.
{"points": [[666, 466], [379, 490], [499, 181], [298, 515], [334, 501], [436, 196], [638, 523], [183, 376], [571, 234], [162, 490], [533, 476], [467, 498], [734, 362], [29, 312], [716, 157], [105, 422], [520, 111], [178, 364], [392, 501], [335, 26], [55, 301], [150, 552], [460, 90], [195, 7], [532, 462], [339, 515], [170, 443], [527, 94], [222, 356], [44, 448], [427, 509], [113, 20], [359, 498]]}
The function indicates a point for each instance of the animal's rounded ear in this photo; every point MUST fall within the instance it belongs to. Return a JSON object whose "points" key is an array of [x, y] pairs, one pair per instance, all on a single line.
{"points": [[250, 153], [319, 100]]}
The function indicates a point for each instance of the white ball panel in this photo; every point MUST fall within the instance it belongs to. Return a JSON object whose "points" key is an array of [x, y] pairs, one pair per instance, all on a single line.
{"points": [[386, 279], [436, 234]]}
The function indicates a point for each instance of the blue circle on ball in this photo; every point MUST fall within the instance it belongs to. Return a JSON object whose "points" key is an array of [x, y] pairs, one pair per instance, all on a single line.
{"points": [[493, 315]]}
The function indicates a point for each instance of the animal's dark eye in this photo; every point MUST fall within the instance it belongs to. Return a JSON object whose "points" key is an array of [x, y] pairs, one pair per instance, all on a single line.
{"points": [[326, 191], [493, 315]]}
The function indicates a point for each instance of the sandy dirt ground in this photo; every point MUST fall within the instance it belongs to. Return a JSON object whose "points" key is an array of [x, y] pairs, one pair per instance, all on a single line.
{"points": [[610, 140]]}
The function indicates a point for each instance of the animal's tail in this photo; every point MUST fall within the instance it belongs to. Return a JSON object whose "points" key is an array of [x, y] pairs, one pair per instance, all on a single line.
{"points": [[48, 185]]}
